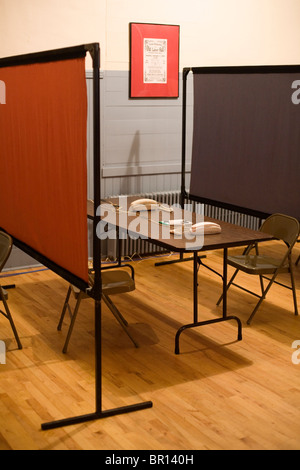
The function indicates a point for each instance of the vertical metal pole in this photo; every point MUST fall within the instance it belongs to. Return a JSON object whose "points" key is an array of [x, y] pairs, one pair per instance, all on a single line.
{"points": [[119, 247], [185, 73], [225, 282], [183, 142], [96, 240], [195, 286]]}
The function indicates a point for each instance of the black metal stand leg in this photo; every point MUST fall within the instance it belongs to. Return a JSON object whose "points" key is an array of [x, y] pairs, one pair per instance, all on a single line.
{"points": [[215, 320], [97, 290], [99, 413], [96, 415]]}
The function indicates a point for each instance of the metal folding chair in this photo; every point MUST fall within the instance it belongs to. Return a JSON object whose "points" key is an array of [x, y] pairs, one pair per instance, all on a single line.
{"points": [[115, 281], [6, 244], [281, 227]]}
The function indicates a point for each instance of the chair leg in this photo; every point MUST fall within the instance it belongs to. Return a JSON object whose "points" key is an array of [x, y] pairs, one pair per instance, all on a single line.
{"points": [[7, 314], [262, 286], [119, 317], [298, 259], [293, 286], [255, 310], [260, 277], [228, 285], [262, 298], [66, 305], [73, 318], [73, 315]]}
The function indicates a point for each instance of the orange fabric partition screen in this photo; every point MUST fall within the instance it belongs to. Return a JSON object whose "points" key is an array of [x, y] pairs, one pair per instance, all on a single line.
{"points": [[43, 175], [43, 183]]}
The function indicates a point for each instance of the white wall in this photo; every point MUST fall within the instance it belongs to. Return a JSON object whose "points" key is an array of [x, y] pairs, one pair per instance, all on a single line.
{"points": [[38, 25], [213, 32], [141, 140]]}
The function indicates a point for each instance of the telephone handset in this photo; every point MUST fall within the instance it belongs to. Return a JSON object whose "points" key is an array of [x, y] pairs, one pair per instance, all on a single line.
{"points": [[205, 228], [146, 204], [201, 228]]}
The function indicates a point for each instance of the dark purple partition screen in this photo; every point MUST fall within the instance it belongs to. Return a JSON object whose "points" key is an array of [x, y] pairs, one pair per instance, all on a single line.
{"points": [[246, 140]]}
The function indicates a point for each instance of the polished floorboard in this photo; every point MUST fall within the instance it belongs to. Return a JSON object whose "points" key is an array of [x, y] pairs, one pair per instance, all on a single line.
{"points": [[217, 394]]}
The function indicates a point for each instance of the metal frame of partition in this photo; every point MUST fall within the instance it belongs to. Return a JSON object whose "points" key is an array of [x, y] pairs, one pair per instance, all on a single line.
{"points": [[95, 292]]}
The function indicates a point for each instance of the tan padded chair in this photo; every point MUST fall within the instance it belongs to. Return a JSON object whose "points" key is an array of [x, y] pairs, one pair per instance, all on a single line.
{"points": [[281, 227], [114, 281], [6, 244]]}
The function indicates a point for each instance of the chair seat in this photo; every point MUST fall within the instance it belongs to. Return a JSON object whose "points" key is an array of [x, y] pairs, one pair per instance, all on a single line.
{"points": [[4, 292], [116, 282], [255, 264], [113, 282]]}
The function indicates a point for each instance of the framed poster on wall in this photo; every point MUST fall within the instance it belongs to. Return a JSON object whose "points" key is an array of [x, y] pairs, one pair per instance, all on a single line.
{"points": [[154, 60]]}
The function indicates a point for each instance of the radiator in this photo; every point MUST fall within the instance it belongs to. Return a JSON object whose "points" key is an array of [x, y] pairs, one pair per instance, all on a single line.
{"points": [[137, 248]]}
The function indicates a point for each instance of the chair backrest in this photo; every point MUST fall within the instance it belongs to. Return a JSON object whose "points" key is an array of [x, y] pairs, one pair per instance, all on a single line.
{"points": [[6, 244], [283, 227]]}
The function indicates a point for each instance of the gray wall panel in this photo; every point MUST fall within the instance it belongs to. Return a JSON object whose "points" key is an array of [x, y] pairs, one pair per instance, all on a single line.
{"points": [[140, 139]]}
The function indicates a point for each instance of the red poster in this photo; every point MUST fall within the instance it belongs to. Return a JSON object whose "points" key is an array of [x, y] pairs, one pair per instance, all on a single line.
{"points": [[154, 60]]}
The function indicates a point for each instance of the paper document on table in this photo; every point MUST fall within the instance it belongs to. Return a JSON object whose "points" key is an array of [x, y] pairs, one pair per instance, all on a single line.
{"points": [[176, 222]]}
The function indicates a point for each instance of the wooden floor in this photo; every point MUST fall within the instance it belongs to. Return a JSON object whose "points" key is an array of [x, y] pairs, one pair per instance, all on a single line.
{"points": [[217, 394]]}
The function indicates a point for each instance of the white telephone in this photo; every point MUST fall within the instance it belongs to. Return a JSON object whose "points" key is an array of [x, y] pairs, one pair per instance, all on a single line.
{"points": [[205, 228], [146, 205]]}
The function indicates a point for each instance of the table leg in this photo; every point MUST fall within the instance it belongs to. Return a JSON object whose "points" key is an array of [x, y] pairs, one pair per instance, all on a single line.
{"points": [[224, 317], [195, 286], [225, 252], [119, 247]]}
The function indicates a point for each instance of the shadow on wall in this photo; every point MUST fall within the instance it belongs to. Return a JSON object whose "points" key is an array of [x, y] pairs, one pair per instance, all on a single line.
{"points": [[133, 162]]}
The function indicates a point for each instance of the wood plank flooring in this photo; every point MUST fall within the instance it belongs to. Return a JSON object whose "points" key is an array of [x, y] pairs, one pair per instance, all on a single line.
{"points": [[217, 394]]}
